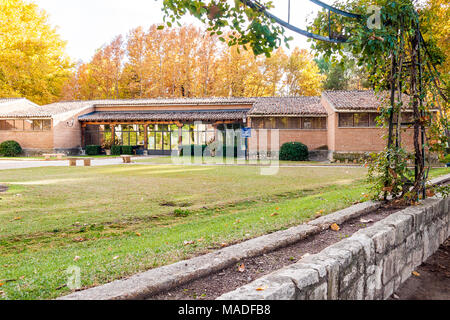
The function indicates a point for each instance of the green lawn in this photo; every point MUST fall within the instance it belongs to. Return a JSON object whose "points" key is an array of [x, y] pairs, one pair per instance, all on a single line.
{"points": [[41, 158], [114, 221], [215, 160]]}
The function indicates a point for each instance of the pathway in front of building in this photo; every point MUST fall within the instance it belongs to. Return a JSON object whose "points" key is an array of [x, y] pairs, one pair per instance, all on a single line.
{"points": [[16, 164]]}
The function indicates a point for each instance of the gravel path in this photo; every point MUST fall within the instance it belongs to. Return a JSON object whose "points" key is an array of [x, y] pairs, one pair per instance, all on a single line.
{"points": [[22, 164]]}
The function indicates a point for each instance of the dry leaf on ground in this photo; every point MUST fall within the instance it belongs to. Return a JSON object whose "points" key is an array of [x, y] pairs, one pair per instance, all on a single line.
{"points": [[241, 268], [261, 289], [335, 227], [415, 273]]}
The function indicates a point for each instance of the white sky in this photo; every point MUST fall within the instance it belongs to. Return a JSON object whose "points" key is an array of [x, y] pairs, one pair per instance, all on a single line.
{"points": [[88, 24]]}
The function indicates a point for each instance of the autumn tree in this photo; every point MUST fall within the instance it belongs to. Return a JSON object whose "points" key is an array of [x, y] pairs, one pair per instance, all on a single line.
{"points": [[33, 63], [189, 62], [302, 75]]}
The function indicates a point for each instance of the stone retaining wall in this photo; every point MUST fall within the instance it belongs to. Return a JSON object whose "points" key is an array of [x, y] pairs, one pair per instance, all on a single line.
{"points": [[369, 265]]}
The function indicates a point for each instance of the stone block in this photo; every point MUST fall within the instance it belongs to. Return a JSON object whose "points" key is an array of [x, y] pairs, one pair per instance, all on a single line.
{"points": [[403, 224], [319, 292], [374, 285], [302, 277], [388, 289], [271, 287], [348, 277], [368, 247], [332, 269], [382, 235], [344, 257]]}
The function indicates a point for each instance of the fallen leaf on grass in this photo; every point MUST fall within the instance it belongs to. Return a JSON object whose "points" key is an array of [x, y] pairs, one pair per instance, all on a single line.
{"points": [[188, 242], [274, 214], [79, 239], [415, 273], [223, 244], [335, 227], [200, 240], [76, 258], [138, 234], [1, 284], [241, 268]]}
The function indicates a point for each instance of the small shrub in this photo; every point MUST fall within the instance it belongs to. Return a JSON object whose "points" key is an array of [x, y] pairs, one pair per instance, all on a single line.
{"points": [[185, 149], [93, 150], [10, 148], [115, 150], [446, 159], [294, 151], [181, 213], [127, 150]]}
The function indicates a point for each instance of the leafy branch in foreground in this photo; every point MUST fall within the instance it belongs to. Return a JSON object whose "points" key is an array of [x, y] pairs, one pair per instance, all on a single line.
{"points": [[249, 27]]}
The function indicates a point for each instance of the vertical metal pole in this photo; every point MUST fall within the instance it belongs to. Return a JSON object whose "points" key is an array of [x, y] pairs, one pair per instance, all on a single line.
{"points": [[289, 11], [422, 133]]}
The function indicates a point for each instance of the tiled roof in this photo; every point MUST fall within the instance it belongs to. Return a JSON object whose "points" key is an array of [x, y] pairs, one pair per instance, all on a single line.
{"points": [[12, 107], [5, 100], [288, 106], [66, 106], [191, 115], [360, 100]]}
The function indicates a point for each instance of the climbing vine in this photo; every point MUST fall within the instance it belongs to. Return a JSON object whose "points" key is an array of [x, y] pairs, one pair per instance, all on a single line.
{"points": [[392, 41], [401, 67]]}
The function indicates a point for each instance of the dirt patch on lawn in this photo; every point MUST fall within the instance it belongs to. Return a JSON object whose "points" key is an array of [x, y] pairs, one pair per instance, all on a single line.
{"points": [[248, 270], [3, 188], [432, 281]]}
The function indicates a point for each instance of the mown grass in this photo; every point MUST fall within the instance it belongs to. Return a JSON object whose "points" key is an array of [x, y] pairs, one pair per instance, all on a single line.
{"points": [[219, 160], [115, 221]]}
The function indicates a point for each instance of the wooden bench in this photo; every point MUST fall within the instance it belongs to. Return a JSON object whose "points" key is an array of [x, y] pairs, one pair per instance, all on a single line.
{"points": [[59, 156], [126, 158], [73, 161]]}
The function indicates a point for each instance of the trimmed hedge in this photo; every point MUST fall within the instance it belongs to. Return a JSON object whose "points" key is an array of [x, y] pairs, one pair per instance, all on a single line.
{"points": [[294, 151], [10, 148], [128, 150], [115, 150], [192, 147], [93, 150]]}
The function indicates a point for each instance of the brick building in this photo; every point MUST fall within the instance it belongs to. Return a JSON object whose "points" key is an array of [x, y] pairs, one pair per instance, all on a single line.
{"points": [[338, 122]]}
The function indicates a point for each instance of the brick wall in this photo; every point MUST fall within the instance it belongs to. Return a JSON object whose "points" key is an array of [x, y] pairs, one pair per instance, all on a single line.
{"points": [[313, 139], [29, 139]]}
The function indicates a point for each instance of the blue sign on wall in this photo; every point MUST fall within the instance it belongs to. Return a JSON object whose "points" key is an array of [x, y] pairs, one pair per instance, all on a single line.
{"points": [[246, 132]]}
